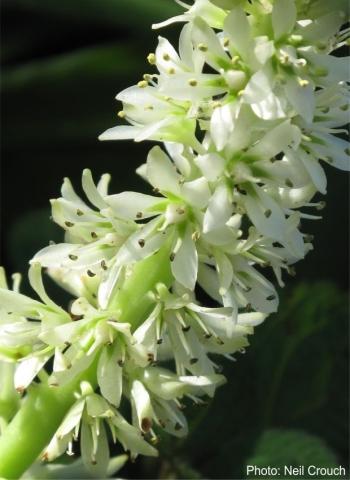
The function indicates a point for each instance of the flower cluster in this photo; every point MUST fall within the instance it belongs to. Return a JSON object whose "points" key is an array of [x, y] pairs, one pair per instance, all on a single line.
{"points": [[249, 110]]}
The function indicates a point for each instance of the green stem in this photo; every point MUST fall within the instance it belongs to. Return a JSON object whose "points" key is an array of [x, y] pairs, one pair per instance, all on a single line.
{"points": [[133, 300], [36, 422], [45, 407]]}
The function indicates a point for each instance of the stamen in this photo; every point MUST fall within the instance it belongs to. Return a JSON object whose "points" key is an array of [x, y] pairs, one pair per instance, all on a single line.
{"points": [[151, 58]]}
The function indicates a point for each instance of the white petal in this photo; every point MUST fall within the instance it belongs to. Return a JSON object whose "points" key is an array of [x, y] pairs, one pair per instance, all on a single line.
{"points": [[221, 125], [131, 438], [102, 186], [203, 380], [218, 320], [107, 286], [146, 333], [178, 154], [72, 419], [91, 191], [225, 272], [276, 140], [251, 319], [207, 279], [334, 148], [143, 407], [129, 204], [258, 87], [36, 282], [169, 413], [20, 304], [121, 132], [161, 172], [202, 33], [219, 209], [27, 371], [95, 460], [263, 49], [301, 97], [315, 170], [54, 255], [265, 213], [284, 15], [180, 86], [337, 67], [185, 264], [270, 108], [62, 334], [166, 56], [197, 192], [109, 374], [211, 165], [69, 194], [237, 29]]}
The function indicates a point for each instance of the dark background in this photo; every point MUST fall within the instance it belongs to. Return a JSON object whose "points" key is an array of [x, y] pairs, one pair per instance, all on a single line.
{"points": [[63, 62]]}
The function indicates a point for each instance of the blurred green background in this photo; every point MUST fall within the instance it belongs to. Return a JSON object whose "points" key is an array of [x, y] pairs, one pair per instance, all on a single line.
{"points": [[287, 398]]}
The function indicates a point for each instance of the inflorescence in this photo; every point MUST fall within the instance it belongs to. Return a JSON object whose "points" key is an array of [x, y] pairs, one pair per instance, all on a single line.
{"points": [[249, 110]]}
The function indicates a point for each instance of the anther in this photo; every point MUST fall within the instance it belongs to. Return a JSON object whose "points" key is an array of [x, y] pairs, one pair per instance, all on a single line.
{"points": [[289, 183], [321, 205], [193, 82], [90, 273], [142, 84], [141, 242], [121, 114], [291, 271], [139, 215], [73, 257], [146, 424], [103, 265], [202, 47], [172, 257], [69, 224], [303, 83], [268, 213], [151, 58], [79, 213], [93, 235], [166, 57], [195, 236]]}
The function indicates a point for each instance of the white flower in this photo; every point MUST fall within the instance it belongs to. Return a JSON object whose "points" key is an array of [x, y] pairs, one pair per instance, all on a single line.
{"points": [[200, 8], [179, 327], [90, 415]]}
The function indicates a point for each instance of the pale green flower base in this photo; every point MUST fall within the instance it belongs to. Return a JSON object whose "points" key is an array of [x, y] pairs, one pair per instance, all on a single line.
{"points": [[45, 407]]}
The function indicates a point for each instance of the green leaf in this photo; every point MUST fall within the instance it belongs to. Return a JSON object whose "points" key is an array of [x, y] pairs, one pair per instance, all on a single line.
{"points": [[279, 448]]}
